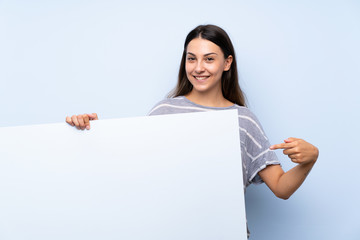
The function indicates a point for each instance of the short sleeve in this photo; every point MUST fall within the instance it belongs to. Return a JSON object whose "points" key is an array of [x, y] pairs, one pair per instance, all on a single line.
{"points": [[255, 151]]}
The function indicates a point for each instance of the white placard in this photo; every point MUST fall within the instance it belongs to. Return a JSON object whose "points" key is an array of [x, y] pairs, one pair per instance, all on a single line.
{"points": [[159, 177]]}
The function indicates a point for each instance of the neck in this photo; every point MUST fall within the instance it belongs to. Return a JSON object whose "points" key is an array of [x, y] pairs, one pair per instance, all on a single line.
{"points": [[215, 99]]}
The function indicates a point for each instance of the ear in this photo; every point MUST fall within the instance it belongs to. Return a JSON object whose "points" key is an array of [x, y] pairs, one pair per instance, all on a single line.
{"points": [[228, 62]]}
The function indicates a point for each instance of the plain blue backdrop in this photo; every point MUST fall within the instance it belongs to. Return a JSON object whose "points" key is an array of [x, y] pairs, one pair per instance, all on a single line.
{"points": [[299, 65]]}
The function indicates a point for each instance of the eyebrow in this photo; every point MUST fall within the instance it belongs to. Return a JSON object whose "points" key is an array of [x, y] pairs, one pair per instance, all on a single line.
{"points": [[204, 54]]}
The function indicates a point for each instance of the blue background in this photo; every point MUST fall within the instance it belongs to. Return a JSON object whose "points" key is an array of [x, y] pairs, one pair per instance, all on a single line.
{"points": [[299, 65]]}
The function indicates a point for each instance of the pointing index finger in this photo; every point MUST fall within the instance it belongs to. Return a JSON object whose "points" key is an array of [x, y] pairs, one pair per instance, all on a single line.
{"points": [[278, 146], [281, 146]]}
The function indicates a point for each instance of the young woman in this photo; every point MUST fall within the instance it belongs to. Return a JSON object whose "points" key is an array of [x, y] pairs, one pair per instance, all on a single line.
{"points": [[208, 81]]}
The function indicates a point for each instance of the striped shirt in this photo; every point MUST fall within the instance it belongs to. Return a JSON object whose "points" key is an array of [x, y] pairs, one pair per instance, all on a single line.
{"points": [[255, 151]]}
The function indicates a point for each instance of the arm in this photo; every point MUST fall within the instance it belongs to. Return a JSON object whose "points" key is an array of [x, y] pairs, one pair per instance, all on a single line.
{"points": [[284, 184], [81, 121]]}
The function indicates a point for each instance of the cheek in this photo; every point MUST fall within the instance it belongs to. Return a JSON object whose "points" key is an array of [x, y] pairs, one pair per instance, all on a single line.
{"points": [[216, 69], [188, 69]]}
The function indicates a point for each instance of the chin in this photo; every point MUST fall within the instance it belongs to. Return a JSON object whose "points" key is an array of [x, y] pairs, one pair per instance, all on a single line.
{"points": [[201, 89]]}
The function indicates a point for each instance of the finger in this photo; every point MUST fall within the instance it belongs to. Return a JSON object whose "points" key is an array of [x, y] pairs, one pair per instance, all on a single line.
{"points": [[293, 156], [81, 122], [69, 121], [86, 121], [282, 146], [291, 139], [278, 146], [294, 160], [93, 116], [292, 150], [75, 121]]}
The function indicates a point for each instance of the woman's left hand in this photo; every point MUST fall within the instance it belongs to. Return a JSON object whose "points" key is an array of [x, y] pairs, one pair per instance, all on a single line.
{"points": [[298, 150]]}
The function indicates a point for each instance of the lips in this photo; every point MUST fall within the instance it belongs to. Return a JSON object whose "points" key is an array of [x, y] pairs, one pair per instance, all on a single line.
{"points": [[201, 78]]}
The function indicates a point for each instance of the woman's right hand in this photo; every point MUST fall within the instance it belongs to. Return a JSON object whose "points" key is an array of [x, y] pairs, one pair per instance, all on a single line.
{"points": [[81, 121]]}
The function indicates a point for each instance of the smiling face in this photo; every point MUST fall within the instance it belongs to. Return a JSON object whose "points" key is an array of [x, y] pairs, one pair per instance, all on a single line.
{"points": [[205, 64]]}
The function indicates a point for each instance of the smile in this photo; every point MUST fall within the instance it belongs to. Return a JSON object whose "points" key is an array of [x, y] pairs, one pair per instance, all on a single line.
{"points": [[201, 77]]}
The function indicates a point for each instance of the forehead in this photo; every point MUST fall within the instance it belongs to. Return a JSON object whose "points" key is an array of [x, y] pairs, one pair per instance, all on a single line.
{"points": [[200, 46]]}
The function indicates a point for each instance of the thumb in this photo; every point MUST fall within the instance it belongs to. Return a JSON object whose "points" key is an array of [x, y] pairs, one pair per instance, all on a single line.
{"points": [[93, 116], [290, 139]]}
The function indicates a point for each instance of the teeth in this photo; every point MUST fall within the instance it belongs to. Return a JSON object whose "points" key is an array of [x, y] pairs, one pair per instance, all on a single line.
{"points": [[200, 78]]}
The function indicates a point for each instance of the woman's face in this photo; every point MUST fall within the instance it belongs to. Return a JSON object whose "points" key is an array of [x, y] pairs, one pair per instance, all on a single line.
{"points": [[205, 64]]}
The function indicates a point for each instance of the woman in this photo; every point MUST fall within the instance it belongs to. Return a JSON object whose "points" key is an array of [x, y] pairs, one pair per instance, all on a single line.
{"points": [[208, 81]]}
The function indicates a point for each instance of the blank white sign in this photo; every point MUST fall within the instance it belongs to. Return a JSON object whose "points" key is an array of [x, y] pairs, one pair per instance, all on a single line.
{"points": [[159, 177]]}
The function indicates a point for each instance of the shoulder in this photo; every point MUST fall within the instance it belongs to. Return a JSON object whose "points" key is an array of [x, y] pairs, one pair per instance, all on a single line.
{"points": [[250, 126], [246, 116], [244, 111], [172, 100], [169, 105]]}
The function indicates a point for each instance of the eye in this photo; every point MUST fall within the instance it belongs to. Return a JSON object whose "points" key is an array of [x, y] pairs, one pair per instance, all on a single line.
{"points": [[209, 59], [190, 59]]}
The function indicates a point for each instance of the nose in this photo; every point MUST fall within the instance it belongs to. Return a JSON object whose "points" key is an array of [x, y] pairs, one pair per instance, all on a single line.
{"points": [[199, 67]]}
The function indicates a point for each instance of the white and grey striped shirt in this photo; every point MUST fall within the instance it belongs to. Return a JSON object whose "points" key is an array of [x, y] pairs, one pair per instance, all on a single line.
{"points": [[254, 143]]}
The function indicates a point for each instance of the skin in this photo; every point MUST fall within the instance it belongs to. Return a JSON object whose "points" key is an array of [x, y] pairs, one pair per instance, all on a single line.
{"points": [[81, 121], [206, 59], [205, 63], [284, 184]]}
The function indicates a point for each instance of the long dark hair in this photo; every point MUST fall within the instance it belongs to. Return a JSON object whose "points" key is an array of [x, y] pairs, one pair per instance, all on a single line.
{"points": [[229, 82]]}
